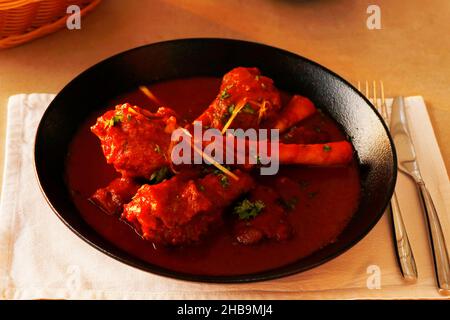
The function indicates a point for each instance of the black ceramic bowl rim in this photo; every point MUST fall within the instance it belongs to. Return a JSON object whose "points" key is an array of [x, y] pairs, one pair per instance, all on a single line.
{"points": [[282, 271]]}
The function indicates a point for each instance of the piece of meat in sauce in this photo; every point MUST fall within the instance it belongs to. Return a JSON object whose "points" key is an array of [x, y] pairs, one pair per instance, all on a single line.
{"points": [[112, 198], [242, 88], [181, 211], [270, 223], [130, 136]]}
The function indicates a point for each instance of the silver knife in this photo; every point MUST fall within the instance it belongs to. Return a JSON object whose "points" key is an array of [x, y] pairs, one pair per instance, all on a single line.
{"points": [[407, 164]]}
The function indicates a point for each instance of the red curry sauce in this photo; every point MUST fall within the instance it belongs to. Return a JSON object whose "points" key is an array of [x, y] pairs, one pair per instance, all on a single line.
{"points": [[326, 197]]}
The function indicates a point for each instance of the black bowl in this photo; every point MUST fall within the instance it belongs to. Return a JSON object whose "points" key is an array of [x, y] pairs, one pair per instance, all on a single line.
{"points": [[214, 57]]}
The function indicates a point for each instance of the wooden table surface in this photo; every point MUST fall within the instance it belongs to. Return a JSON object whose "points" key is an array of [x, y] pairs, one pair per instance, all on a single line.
{"points": [[411, 53]]}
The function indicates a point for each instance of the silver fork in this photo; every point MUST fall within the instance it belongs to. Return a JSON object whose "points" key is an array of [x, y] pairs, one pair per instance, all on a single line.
{"points": [[403, 248]]}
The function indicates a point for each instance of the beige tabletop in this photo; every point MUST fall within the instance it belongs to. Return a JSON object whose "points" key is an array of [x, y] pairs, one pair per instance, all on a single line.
{"points": [[411, 53]]}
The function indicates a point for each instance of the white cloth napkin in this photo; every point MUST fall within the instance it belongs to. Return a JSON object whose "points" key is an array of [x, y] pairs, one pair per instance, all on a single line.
{"points": [[41, 258]]}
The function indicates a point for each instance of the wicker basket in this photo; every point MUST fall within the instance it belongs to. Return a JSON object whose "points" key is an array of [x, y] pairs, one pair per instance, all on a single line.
{"points": [[24, 20]]}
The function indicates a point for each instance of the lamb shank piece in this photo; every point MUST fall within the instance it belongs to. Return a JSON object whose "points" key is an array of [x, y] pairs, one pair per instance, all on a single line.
{"points": [[181, 210], [135, 140], [249, 100], [247, 90]]}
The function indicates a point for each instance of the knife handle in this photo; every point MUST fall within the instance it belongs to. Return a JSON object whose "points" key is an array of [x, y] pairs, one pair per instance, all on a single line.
{"points": [[402, 245], [440, 253]]}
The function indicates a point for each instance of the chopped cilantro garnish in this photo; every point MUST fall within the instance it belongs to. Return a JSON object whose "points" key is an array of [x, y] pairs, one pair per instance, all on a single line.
{"points": [[224, 180], [201, 187], [114, 120], [159, 175], [225, 94], [231, 108], [216, 171], [289, 204], [109, 123], [247, 209], [248, 109], [157, 148], [224, 117], [326, 148]]}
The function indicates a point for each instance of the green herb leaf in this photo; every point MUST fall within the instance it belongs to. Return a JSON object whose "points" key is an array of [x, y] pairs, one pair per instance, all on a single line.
{"points": [[109, 123], [114, 120], [248, 109], [117, 118], [289, 204], [231, 108], [216, 171], [159, 175], [225, 95], [157, 148], [224, 118], [224, 180], [247, 209], [326, 148]]}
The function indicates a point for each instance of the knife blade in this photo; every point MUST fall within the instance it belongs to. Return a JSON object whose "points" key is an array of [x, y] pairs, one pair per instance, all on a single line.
{"points": [[407, 163], [406, 154]]}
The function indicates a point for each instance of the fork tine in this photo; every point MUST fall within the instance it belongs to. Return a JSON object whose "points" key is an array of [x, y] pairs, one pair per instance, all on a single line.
{"points": [[375, 100], [384, 111], [372, 94], [383, 106], [367, 90]]}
